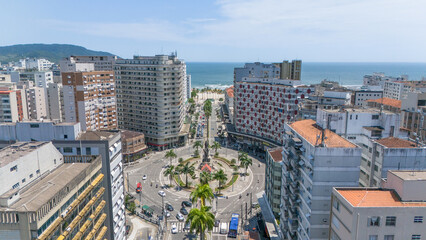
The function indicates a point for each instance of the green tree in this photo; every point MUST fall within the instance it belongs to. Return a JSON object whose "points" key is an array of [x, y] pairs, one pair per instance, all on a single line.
{"points": [[221, 177], [196, 153], [205, 177], [197, 145], [170, 171], [191, 100], [170, 155], [216, 146], [193, 94], [132, 207], [187, 169], [180, 160], [202, 220], [245, 162], [202, 192]]}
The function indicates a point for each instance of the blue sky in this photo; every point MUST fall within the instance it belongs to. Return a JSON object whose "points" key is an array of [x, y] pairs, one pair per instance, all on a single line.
{"points": [[229, 31]]}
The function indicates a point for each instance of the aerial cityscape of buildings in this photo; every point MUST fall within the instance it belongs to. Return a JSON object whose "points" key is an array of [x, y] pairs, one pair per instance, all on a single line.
{"points": [[339, 162]]}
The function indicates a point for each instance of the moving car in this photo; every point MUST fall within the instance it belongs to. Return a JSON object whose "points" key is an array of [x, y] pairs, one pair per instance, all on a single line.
{"points": [[223, 228], [216, 223], [127, 229], [138, 187], [169, 207], [144, 177], [186, 204], [174, 229], [162, 193], [180, 217], [187, 226], [183, 211], [167, 213]]}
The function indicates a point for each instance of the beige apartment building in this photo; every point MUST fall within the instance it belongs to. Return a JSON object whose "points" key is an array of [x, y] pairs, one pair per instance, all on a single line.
{"points": [[150, 98], [393, 212], [37, 103], [89, 98]]}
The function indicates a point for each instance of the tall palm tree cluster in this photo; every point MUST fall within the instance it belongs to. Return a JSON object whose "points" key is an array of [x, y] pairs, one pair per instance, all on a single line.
{"points": [[201, 219], [245, 160]]}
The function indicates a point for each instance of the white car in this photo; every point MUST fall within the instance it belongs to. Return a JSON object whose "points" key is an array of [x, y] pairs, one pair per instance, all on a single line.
{"points": [[179, 217], [144, 177], [162, 193], [174, 229], [167, 213]]}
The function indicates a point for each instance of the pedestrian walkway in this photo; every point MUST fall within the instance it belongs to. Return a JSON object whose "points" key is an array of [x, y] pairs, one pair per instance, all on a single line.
{"points": [[181, 225]]}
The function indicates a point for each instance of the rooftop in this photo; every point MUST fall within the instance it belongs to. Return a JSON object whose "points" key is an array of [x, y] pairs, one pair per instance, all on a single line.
{"points": [[276, 154], [130, 134], [230, 91], [410, 175], [374, 197], [393, 142], [96, 135], [309, 130], [357, 110], [387, 101], [44, 190], [18, 150]]}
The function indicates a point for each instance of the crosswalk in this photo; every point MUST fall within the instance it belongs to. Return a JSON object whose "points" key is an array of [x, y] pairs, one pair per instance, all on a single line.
{"points": [[181, 225]]}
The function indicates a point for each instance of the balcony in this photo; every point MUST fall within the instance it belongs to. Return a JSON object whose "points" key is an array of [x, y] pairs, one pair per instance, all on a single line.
{"points": [[292, 226]]}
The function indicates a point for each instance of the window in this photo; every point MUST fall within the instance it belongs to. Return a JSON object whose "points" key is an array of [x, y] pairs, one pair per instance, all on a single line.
{"points": [[375, 117], [14, 168], [67, 150], [88, 151], [389, 237], [418, 219], [376, 168], [373, 237], [390, 221], [34, 126], [23, 180], [373, 221], [416, 237], [38, 171], [65, 136], [78, 151], [336, 204]]}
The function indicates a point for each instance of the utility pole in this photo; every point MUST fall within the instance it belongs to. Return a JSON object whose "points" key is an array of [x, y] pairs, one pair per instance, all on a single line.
{"points": [[251, 202], [127, 180], [246, 211], [242, 219]]}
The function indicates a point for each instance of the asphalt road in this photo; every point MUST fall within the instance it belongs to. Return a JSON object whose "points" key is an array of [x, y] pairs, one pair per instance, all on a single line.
{"points": [[153, 165]]}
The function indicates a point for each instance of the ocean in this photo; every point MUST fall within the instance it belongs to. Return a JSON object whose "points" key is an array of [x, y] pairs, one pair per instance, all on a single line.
{"points": [[221, 75]]}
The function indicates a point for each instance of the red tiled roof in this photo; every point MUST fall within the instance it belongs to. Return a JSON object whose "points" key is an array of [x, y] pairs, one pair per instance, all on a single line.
{"points": [[393, 142], [206, 167], [387, 101], [230, 91], [276, 154], [309, 131], [375, 198]]}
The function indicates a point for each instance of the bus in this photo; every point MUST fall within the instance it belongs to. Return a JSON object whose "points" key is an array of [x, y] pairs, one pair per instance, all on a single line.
{"points": [[233, 226], [138, 187]]}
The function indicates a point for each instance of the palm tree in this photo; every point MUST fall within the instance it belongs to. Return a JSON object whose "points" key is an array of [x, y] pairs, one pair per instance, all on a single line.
{"points": [[216, 146], [187, 169], [245, 162], [241, 155], [205, 177], [170, 155], [202, 192], [170, 171], [201, 220], [197, 145], [221, 177]]}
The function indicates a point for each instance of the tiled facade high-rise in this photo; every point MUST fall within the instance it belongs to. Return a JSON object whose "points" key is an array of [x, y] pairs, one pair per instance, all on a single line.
{"points": [[150, 98], [315, 160], [89, 98]]}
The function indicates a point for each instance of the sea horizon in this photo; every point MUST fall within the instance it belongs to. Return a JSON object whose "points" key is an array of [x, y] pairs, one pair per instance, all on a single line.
{"points": [[220, 74]]}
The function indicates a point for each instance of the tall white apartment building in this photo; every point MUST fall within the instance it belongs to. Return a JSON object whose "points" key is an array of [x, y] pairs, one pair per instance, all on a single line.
{"points": [[55, 101], [40, 79], [37, 103], [150, 98], [40, 64], [83, 63], [395, 90], [380, 156], [396, 211], [315, 160]]}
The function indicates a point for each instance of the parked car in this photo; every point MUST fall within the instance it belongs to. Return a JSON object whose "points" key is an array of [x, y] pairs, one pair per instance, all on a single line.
{"points": [[167, 213], [183, 211], [127, 229], [187, 226], [174, 229], [169, 207], [216, 223], [186, 204], [162, 193], [179, 217]]}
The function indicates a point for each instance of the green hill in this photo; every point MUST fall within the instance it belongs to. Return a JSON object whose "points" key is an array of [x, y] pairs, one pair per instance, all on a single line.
{"points": [[52, 52]]}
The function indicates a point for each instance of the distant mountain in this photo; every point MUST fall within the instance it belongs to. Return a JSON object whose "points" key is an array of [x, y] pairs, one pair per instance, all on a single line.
{"points": [[52, 52]]}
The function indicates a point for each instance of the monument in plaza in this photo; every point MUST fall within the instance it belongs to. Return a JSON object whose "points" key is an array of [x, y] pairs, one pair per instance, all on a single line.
{"points": [[206, 152]]}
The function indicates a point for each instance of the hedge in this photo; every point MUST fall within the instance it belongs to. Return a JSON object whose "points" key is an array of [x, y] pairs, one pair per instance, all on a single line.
{"points": [[233, 180]]}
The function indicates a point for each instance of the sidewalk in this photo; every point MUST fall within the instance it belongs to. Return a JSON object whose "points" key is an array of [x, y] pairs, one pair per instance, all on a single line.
{"points": [[141, 229]]}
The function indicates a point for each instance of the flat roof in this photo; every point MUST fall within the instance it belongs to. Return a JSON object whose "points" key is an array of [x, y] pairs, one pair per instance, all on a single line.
{"points": [[375, 197], [358, 110], [410, 175], [130, 134], [309, 130], [393, 142], [34, 197], [276, 154], [96, 135], [17, 150]]}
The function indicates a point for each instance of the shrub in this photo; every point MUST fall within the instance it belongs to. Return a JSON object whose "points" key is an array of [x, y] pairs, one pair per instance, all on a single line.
{"points": [[233, 161]]}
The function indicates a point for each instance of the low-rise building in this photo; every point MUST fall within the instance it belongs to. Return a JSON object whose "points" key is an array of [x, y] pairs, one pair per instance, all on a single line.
{"points": [[389, 104], [133, 144], [396, 211], [273, 174], [360, 98]]}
